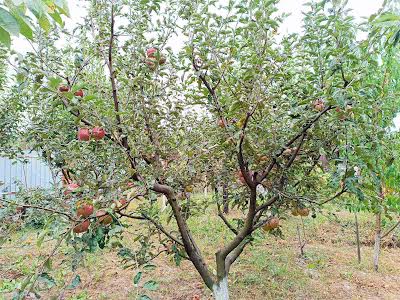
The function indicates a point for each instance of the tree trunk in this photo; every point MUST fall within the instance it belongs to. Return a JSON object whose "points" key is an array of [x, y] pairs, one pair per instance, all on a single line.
{"points": [[377, 241], [357, 239], [225, 198], [301, 243], [220, 289]]}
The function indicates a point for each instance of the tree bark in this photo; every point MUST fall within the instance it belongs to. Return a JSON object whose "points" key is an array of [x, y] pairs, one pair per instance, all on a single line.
{"points": [[225, 198], [377, 240], [357, 239], [220, 289]]}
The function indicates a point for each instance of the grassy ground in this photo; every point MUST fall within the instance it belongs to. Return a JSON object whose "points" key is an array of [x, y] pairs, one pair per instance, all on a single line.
{"points": [[270, 268]]}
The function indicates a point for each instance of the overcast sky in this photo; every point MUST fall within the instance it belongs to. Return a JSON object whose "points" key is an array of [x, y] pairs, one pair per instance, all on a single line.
{"points": [[361, 8]]}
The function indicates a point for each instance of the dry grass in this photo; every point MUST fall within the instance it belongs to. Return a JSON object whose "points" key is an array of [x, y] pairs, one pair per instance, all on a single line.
{"points": [[268, 269]]}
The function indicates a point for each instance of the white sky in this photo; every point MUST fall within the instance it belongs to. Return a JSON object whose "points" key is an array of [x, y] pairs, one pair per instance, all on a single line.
{"points": [[360, 9]]}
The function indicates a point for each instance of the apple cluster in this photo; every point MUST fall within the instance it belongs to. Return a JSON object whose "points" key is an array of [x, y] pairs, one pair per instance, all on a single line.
{"points": [[85, 209], [154, 58], [66, 88], [97, 133]]}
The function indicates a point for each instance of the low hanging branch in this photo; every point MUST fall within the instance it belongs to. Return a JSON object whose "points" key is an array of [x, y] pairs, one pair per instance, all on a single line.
{"points": [[41, 208], [154, 222], [390, 230]]}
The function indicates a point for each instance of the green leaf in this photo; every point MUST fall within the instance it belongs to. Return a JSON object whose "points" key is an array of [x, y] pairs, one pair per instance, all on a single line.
{"points": [[8, 22], [89, 97], [149, 267], [62, 6], [5, 37], [56, 17], [151, 285], [24, 25], [74, 283], [54, 82], [44, 23], [48, 264], [388, 17], [36, 7], [47, 279], [137, 278]]}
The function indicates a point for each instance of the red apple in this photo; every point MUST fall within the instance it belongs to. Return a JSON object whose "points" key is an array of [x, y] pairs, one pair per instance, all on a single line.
{"points": [[83, 134], [151, 52], [240, 176], [130, 184], [82, 227], [271, 224], [151, 63], [304, 212], [119, 203], [71, 188], [79, 93], [63, 88], [84, 210], [98, 133], [319, 105], [104, 217]]}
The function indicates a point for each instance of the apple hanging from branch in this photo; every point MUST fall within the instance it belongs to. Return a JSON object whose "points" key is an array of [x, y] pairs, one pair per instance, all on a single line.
{"points": [[98, 133], [83, 134], [82, 227]]}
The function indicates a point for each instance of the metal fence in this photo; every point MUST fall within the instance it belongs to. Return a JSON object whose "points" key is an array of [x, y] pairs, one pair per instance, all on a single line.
{"points": [[29, 174]]}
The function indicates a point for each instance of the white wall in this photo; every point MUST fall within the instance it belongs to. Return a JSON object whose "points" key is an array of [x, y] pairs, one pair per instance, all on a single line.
{"points": [[35, 173]]}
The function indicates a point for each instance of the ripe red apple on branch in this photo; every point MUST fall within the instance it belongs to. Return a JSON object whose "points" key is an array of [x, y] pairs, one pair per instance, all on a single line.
{"points": [[151, 52], [103, 217], [98, 133], [271, 224], [319, 104], [82, 227], [154, 57], [84, 209], [71, 188], [79, 93], [63, 88], [304, 212], [83, 134]]}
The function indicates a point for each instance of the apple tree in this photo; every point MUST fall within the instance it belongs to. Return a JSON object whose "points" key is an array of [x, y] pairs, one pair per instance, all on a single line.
{"points": [[269, 118]]}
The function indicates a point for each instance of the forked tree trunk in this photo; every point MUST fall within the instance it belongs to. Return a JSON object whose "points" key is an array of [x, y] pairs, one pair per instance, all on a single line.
{"points": [[220, 289], [377, 246]]}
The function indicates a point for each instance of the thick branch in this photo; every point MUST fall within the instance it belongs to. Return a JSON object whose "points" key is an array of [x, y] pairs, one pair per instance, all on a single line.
{"points": [[306, 126], [246, 230], [191, 248], [231, 258]]}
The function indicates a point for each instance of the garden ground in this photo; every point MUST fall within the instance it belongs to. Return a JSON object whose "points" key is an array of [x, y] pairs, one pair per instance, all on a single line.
{"points": [[270, 268]]}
